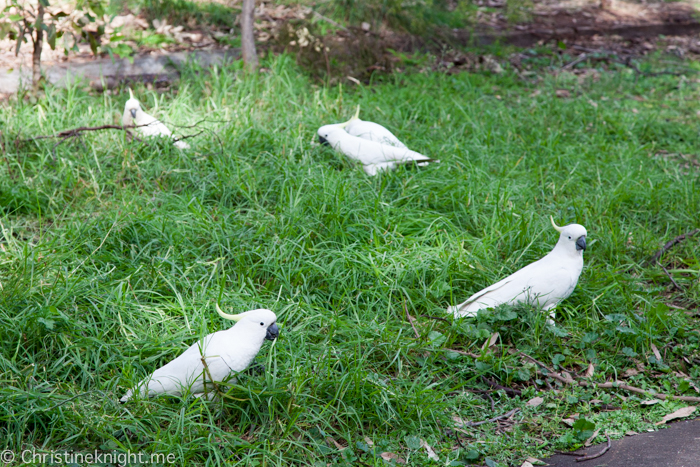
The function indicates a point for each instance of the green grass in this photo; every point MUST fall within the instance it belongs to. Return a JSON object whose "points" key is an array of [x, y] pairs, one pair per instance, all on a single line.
{"points": [[113, 256]]}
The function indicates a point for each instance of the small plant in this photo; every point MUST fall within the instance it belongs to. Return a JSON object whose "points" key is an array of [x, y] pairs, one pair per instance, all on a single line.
{"points": [[24, 21]]}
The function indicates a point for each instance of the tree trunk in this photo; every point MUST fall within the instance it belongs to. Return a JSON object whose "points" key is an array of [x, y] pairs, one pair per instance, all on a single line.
{"points": [[250, 57], [38, 44]]}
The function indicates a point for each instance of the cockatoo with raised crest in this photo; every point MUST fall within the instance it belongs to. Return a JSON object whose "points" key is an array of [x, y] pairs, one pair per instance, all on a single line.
{"points": [[225, 352], [544, 283], [146, 124]]}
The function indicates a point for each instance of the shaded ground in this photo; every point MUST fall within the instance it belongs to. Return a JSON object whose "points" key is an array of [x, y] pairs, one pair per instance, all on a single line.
{"points": [[676, 446], [337, 50]]}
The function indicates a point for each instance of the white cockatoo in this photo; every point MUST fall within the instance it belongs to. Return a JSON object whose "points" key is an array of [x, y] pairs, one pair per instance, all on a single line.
{"points": [[225, 352], [371, 131], [544, 283], [146, 124], [376, 149]]}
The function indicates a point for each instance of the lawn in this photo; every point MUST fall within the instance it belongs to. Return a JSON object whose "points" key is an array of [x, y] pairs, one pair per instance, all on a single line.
{"points": [[113, 253]]}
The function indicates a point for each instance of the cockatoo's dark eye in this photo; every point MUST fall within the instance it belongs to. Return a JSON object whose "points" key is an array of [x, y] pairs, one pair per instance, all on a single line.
{"points": [[262, 324], [569, 238]]}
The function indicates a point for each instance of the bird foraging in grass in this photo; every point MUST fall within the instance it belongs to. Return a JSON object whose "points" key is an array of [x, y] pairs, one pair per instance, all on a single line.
{"points": [[544, 283], [371, 131], [146, 124], [371, 144], [225, 353]]}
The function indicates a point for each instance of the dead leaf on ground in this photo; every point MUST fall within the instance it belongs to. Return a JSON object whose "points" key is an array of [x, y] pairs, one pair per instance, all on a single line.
{"points": [[459, 421], [526, 464], [650, 402], [589, 371], [369, 442], [534, 402], [491, 342], [680, 413], [589, 441], [535, 461], [630, 372], [631, 433], [339, 446], [595, 401], [568, 421], [656, 353], [429, 450], [562, 93], [388, 456]]}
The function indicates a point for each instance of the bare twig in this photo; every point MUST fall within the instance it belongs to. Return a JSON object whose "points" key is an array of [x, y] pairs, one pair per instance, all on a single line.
{"points": [[462, 352], [608, 385], [675, 284], [410, 320], [511, 392], [490, 420], [594, 456], [76, 131], [670, 244]]}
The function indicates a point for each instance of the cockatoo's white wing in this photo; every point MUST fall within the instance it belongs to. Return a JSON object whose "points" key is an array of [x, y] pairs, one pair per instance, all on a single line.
{"points": [[373, 132], [366, 151], [225, 352], [544, 283]]}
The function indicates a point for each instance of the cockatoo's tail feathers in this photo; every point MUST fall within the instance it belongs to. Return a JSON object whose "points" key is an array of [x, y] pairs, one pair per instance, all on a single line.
{"points": [[556, 227], [228, 316]]}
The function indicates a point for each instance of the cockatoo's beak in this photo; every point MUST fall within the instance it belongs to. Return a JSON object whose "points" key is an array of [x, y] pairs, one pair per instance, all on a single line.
{"points": [[272, 332], [133, 113], [323, 141], [556, 227], [581, 243]]}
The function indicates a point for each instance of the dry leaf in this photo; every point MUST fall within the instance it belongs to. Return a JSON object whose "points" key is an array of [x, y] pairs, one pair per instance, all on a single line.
{"points": [[680, 413], [656, 353], [568, 378], [650, 402], [562, 93], [631, 433], [491, 342], [526, 464], [388, 456], [568, 421], [589, 441], [429, 450], [595, 401], [534, 402], [369, 442], [459, 421], [339, 446], [589, 371], [534, 461], [630, 372]]}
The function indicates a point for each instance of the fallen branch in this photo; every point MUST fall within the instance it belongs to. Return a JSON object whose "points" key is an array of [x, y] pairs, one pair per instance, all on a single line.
{"points": [[595, 456], [675, 284], [410, 320], [498, 387], [462, 352], [75, 131], [608, 385], [672, 243], [436, 318], [490, 420]]}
